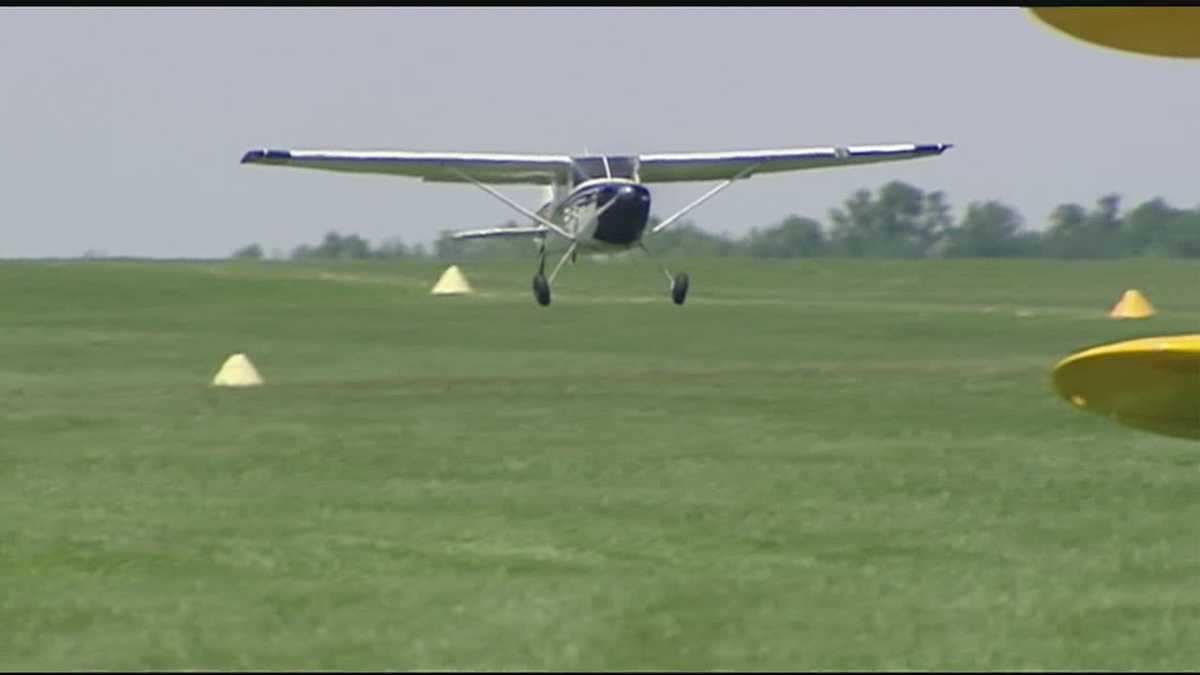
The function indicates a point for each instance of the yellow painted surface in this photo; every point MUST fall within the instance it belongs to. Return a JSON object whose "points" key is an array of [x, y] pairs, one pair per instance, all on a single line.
{"points": [[1156, 31], [1149, 383]]}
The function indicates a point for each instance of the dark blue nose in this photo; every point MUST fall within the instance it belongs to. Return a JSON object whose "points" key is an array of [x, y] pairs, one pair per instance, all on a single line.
{"points": [[633, 194], [623, 223]]}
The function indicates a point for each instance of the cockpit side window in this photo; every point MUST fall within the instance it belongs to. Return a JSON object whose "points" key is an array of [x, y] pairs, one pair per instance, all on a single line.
{"points": [[623, 167], [588, 168]]}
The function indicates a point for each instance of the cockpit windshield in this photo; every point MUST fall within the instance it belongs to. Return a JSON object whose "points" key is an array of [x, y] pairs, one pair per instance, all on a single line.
{"points": [[593, 167]]}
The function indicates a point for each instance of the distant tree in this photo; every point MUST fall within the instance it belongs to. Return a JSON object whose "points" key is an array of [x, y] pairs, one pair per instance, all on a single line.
{"points": [[897, 221], [902, 222], [1182, 238], [336, 247], [251, 252], [1076, 233], [1147, 229], [794, 237], [445, 248], [853, 231], [393, 248], [684, 238], [988, 230], [1105, 224], [935, 222], [1067, 236], [898, 211]]}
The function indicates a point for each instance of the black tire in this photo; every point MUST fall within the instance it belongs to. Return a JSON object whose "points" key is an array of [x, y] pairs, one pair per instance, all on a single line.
{"points": [[679, 288], [541, 290]]}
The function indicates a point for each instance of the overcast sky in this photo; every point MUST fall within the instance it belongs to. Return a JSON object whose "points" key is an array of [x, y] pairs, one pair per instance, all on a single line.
{"points": [[123, 128]]}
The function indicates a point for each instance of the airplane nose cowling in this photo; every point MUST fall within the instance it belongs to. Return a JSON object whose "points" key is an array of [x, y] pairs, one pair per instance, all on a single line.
{"points": [[634, 195], [622, 224]]}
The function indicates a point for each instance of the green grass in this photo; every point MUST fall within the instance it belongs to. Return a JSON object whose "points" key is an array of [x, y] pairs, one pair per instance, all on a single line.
{"points": [[811, 465]]}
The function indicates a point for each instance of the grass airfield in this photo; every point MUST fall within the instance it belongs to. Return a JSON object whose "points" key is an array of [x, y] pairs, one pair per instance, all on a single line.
{"points": [[811, 465]]}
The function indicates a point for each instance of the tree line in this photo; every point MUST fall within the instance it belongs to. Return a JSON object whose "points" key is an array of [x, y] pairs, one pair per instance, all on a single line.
{"points": [[896, 221]]}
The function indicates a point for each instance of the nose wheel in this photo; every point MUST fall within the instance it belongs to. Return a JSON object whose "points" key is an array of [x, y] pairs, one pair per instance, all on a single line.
{"points": [[679, 287]]}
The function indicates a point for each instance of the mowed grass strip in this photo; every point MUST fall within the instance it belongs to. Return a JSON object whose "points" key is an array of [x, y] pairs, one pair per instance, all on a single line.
{"points": [[810, 465]]}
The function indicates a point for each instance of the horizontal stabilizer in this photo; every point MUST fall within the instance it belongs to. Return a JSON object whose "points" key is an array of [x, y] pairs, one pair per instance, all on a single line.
{"points": [[501, 232]]}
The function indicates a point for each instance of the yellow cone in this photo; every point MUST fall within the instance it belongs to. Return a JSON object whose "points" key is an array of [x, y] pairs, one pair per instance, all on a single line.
{"points": [[1132, 305], [237, 372], [452, 282]]}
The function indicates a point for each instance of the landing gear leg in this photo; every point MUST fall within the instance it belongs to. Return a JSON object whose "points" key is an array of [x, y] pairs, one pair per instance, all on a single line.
{"points": [[541, 285], [679, 283]]}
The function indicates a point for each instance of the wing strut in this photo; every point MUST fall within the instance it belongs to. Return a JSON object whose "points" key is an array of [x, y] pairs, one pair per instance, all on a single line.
{"points": [[685, 210], [498, 195], [570, 253]]}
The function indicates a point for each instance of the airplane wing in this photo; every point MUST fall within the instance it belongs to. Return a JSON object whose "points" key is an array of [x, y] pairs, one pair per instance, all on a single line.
{"points": [[428, 166], [706, 166]]}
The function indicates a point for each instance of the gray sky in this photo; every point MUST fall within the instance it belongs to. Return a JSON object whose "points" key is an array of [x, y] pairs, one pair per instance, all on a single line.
{"points": [[122, 128]]}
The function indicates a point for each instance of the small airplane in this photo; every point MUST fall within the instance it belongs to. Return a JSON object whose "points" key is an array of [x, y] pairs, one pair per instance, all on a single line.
{"points": [[597, 203]]}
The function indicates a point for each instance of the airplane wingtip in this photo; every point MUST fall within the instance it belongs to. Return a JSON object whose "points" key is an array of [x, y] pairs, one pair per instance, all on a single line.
{"points": [[261, 155], [934, 148]]}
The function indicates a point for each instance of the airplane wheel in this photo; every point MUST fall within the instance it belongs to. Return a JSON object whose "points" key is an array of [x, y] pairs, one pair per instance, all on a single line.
{"points": [[541, 290], [679, 288]]}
